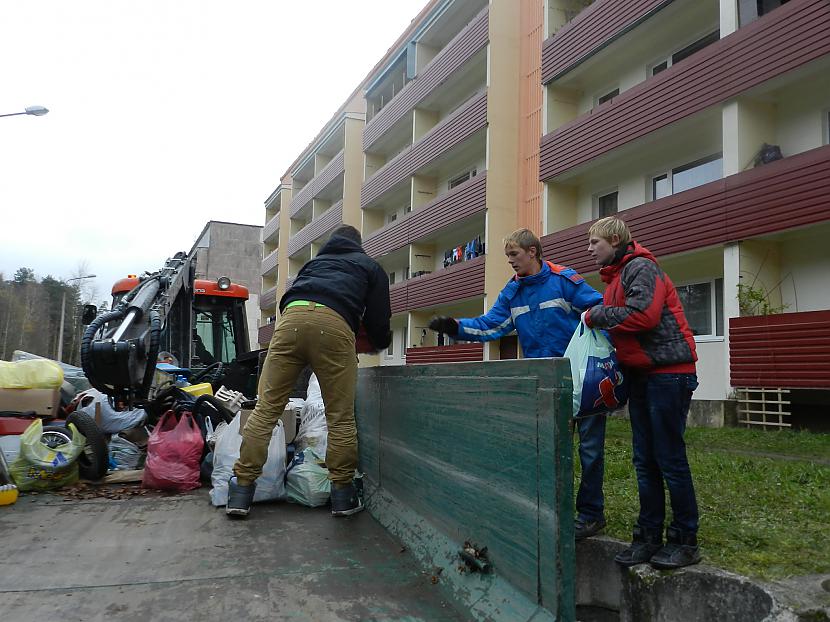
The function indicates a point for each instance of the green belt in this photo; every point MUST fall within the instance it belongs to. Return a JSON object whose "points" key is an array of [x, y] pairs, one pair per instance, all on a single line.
{"points": [[303, 303]]}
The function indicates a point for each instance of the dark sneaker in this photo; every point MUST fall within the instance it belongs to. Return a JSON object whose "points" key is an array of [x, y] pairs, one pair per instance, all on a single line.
{"points": [[240, 498], [645, 543], [585, 529], [345, 500], [681, 550]]}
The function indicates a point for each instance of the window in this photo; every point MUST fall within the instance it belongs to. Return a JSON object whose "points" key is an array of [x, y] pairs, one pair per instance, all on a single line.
{"points": [[607, 97], [685, 52], [703, 307], [391, 278], [403, 341], [607, 204], [687, 176], [391, 217], [750, 10], [390, 351], [460, 179]]}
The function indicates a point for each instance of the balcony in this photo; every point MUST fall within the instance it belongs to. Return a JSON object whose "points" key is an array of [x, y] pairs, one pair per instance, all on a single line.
{"points": [[318, 184], [317, 228], [788, 350], [786, 39], [269, 263], [459, 282], [464, 122], [773, 197], [459, 203], [457, 353], [271, 228], [590, 31], [265, 333], [268, 299], [466, 43]]}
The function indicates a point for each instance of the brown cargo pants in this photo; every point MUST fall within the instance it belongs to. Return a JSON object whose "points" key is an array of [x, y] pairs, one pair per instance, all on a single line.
{"points": [[306, 335]]}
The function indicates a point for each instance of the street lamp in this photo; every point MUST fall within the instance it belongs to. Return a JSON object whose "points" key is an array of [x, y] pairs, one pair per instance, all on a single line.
{"points": [[63, 311], [37, 111]]}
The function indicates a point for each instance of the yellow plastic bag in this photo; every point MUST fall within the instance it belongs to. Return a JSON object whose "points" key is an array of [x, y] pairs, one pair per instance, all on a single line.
{"points": [[31, 374], [39, 467]]}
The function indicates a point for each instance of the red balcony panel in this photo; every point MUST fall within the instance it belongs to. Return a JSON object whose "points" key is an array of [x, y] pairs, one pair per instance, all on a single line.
{"points": [[397, 298], [460, 125], [458, 282], [773, 45], [790, 350], [465, 44], [318, 227], [458, 353], [316, 185], [459, 203], [793, 192], [591, 30], [265, 333]]}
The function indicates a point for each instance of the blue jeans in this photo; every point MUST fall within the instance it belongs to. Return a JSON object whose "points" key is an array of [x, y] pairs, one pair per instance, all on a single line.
{"points": [[589, 500], [658, 405]]}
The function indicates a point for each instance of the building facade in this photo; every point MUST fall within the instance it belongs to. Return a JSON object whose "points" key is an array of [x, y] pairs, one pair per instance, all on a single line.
{"points": [[703, 123]]}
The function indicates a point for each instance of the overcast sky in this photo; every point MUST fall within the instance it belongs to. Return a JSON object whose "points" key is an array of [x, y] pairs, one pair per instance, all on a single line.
{"points": [[164, 114]]}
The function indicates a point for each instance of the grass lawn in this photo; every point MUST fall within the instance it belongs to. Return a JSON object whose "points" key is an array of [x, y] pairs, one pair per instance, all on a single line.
{"points": [[764, 497]]}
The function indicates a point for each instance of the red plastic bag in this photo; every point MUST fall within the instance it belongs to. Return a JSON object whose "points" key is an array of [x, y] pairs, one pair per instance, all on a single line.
{"points": [[174, 451]]}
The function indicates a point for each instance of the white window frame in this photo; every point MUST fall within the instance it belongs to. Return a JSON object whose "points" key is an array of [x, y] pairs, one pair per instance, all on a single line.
{"points": [[459, 179], [671, 172], [668, 58], [604, 193], [605, 93], [713, 300], [826, 126]]}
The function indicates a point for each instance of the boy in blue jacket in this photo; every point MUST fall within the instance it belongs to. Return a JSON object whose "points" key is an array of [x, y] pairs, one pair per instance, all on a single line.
{"points": [[542, 303]]}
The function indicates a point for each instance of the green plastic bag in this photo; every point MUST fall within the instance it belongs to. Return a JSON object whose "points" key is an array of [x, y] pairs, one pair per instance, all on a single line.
{"points": [[306, 481], [39, 467]]}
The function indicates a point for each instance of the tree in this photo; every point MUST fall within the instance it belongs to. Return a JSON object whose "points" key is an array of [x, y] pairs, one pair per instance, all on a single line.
{"points": [[24, 275]]}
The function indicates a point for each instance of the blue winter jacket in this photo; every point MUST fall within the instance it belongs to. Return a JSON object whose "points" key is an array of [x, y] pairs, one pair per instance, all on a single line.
{"points": [[543, 309]]}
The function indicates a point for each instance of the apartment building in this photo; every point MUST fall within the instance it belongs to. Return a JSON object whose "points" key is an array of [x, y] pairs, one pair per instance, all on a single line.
{"points": [[703, 123]]}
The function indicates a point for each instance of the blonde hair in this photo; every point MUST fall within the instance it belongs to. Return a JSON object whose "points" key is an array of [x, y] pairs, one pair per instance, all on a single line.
{"points": [[610, 226], [524, 239]]}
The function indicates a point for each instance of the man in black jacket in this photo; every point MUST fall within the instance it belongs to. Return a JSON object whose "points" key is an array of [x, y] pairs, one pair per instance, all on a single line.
{"points": [[320, 316]]}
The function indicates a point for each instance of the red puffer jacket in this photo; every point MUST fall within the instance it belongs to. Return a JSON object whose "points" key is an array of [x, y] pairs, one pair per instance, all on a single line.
{"points": [[644, 316]]}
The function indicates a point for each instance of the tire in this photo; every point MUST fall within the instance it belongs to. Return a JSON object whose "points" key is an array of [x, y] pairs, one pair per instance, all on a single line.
{"points": [[93, 463]]}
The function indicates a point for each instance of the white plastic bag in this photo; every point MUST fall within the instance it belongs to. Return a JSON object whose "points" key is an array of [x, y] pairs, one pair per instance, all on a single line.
{"points": [[307, 481], [313, 430], [597, 379], [270, 486]]}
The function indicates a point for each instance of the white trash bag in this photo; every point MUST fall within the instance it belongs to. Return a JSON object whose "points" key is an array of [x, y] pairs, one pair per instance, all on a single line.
{"points": [[313, 430], [307, 481], [270, 486], [598, 384]]}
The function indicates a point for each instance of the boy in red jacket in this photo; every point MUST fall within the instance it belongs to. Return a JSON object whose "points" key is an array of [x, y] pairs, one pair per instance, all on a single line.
{"points": [[655, 346]]}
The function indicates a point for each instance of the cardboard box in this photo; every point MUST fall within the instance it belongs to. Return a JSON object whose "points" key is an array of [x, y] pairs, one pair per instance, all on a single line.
{"points": [[43, 402], [290, 417]]}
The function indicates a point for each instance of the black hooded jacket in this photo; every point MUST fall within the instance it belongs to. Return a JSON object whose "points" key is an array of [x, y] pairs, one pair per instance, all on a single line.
{"points": [[345, 279]]}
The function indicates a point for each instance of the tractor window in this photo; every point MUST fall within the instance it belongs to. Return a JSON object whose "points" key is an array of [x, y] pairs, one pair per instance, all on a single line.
{"points": [[214, 338]]}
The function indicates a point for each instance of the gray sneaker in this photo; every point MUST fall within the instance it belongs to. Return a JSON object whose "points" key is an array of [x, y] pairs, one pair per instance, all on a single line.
{"points": [[240, 498], [345, 500]]}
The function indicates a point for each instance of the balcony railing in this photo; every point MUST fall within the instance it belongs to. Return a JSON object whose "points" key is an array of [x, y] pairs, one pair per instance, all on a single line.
{"points": [[271, 227], [459, 282], [784, 40], [265, 333], [591, 30], [460, 125], [268, 299], [457, 353], [789, 350], [789, 193], [269, 263], [459, 203], [318, 184], [318, 227], [463, 46]]}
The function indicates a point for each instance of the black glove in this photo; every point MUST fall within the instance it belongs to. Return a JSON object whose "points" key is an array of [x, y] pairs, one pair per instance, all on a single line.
{"points": [[443, 324]]}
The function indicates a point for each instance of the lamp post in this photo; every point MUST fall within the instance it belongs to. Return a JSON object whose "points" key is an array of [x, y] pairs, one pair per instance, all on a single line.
{"points": [[63, 311], [37, 111]]}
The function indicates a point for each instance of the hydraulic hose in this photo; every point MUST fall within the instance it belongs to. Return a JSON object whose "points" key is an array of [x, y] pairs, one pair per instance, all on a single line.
{"points": [[86, 345], [152, 353]]}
